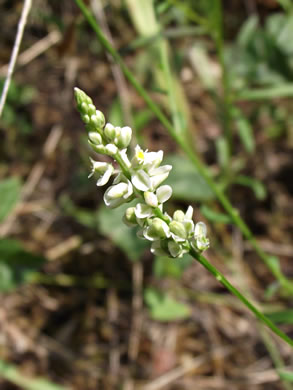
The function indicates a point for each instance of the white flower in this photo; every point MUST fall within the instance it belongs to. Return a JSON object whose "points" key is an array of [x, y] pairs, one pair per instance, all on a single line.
{"points": [[200, 242], [104, 170], [118, 194], [175, 249], [143, 211], [162, 194], [141, 180], [157, 230], [157, 250]]}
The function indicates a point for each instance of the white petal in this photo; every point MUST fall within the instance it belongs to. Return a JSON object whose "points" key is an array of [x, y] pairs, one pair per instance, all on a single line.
{"points": [[174, 249], [189, 212], [164, 193], [150, 199], [160, 170], [123, 155], [106, 176], [141, 180], [111, 149], [143, 211], [129, 190], [157, 180], [200, 229]]}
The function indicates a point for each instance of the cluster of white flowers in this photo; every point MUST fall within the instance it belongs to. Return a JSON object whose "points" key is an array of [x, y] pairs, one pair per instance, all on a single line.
{"points": [[139, 177]]}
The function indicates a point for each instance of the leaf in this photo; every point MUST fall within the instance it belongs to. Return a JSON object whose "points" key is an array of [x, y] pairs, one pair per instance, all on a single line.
{"points": [[282, 316], [214, 216], [222, 148], [9, 196], [16, 264], [286, 375], [245, 131], [165, 308], [185, 181], [257, 186], [12, 374], [111, 225]]}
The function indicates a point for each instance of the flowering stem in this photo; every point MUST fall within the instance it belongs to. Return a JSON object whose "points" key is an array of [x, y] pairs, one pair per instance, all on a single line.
{"points": [[221, 278], [189, 151]]}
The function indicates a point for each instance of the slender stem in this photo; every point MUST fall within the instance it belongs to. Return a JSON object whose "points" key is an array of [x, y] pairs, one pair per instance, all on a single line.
{"points": [[221, 278], [20, 29], [191, 154]]}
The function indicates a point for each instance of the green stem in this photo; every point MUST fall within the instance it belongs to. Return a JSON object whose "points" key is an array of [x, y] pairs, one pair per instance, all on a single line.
{"points": [[201, 168], [221, 278]]}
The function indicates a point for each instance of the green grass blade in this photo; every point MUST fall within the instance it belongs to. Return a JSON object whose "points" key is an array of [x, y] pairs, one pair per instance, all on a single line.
{"points": [[13, 375]]}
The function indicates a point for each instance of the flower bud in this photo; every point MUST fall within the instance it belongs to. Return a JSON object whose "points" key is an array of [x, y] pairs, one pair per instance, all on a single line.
{"points": [[129, 217], [157, 230], [95, 137], [97, 120], [150, 199], [117, 194], [111, 149], [178, 215], [178, 229], [110, 132], [175, 249], [123, 137]]}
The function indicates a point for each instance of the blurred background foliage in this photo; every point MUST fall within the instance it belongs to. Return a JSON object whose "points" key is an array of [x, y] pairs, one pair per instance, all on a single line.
{"points": [[84, 303]]}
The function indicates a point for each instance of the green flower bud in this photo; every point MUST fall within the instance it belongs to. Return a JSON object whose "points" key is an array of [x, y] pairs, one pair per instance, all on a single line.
{"points": [[157, 230], [178, 215], [178, 229], [95, 138], [123, 137], [129, 217], [110, 132], [175, 249]]}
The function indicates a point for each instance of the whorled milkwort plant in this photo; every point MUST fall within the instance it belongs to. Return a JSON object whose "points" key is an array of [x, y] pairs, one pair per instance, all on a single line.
{"points": [[139, 177]]}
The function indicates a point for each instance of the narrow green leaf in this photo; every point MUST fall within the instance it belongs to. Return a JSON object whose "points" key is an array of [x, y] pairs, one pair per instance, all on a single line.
{"points": [[281, 317], [257, 187], [245, 131], [214, 216], [12, 374], [9, 196]]}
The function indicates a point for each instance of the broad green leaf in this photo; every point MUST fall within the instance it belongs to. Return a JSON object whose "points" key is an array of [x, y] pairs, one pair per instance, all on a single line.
{"points": [[111, 225], [165, 308], [16, 264], [214, 216], [185, 181], [9, 196], [281, 317], [12, 374]]}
